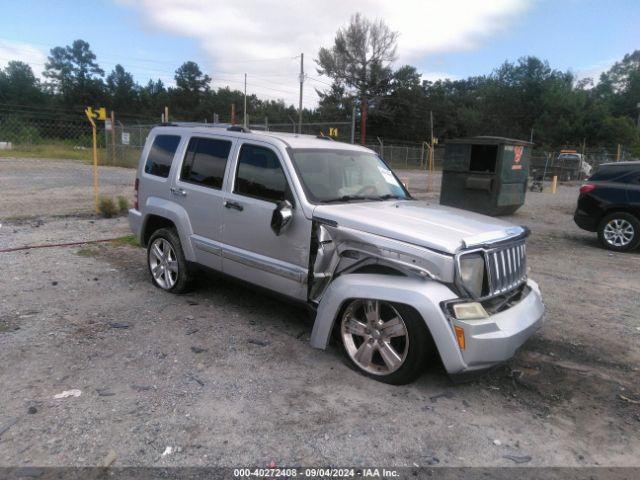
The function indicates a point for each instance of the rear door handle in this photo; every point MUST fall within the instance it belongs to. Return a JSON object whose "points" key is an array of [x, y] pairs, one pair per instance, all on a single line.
{"points": [[234, 205], [178, 191]]}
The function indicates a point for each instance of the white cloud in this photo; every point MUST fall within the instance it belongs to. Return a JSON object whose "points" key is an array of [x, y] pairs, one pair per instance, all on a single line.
{"points": [[24, 52], [593, 71], [434, 76], [236, 36]]}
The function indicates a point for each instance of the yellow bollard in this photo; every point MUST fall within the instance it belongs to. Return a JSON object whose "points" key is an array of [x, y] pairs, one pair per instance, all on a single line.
{"points": [[554, 184], [96, 193]]}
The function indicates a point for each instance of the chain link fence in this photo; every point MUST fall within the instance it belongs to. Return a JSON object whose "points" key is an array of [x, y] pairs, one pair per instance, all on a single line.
{"points": [[34, 134], [46, 136], [573, 166]]}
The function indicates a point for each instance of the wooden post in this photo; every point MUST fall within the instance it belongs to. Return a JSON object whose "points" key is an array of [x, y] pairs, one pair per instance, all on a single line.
{"points": [[618, 153], [233, 114], [554, 184], [166, 114], [113, 138]]}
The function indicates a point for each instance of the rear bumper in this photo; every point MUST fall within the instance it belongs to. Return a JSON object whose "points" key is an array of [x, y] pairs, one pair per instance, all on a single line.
{"points": [[585, 221], [495, 339], [135, 222]]}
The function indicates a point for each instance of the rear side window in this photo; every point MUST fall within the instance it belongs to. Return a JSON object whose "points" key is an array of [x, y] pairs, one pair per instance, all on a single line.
{"points": [[205, 162], [161, 155], [260, 174]]}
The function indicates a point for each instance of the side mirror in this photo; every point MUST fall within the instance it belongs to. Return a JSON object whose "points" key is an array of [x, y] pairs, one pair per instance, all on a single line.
{"points": [[282, 216]]}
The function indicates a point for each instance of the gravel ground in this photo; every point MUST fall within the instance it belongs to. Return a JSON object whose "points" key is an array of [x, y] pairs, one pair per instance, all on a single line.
{"points": [[226, 376], [44, 187]]}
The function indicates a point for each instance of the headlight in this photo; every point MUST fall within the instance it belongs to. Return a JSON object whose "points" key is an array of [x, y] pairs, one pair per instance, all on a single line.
{"points": [[472, 273]]}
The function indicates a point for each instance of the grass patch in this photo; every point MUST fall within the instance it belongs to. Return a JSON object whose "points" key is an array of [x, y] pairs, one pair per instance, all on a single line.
{"points": [[125, 158], [58, 151], [88, 251], [129, 240], [107, 207], [123, 204]]}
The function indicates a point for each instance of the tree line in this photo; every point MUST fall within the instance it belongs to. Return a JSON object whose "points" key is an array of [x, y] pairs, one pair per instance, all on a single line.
{"points": [[526, 98]]}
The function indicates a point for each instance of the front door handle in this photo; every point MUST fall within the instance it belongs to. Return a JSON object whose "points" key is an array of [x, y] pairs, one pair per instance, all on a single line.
{"points": [[234, 205], [178, 191]]}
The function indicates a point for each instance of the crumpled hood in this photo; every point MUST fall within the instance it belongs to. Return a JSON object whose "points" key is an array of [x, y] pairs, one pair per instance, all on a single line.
{"points": [[420, 223]]}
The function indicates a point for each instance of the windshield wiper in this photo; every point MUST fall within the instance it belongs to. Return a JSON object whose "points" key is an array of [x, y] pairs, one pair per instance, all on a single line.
{"points": [[348, 198], [389, 196]]}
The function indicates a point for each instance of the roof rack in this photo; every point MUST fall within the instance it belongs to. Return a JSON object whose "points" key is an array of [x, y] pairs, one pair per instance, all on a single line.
{"points": [[238, 128]]}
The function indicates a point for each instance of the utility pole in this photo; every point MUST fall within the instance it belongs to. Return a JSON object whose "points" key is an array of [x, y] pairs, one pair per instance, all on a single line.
{"points": [[301, 87], [245, 100]]}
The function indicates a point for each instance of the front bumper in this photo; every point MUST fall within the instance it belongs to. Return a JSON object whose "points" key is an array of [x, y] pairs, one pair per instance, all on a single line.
{"points": [[489, 341], [495, 339]]}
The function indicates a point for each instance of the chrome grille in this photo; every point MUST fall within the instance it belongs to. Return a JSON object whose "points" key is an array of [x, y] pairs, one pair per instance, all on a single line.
{"points": [[507, 268]]}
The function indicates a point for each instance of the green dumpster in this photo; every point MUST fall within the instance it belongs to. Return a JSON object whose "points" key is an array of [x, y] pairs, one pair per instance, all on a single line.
{"points": [[485, 174]]}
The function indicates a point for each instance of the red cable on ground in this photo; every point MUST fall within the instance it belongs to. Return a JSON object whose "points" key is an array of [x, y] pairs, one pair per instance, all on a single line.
{"points": [[50, 245]]}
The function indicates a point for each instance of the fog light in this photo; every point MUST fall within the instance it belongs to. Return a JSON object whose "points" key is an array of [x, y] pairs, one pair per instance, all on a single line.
{"points": [[469, 311], [460, 337]]}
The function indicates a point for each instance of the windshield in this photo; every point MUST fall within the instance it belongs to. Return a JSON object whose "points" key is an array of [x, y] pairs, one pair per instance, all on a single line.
{"points": [[345, 175]]}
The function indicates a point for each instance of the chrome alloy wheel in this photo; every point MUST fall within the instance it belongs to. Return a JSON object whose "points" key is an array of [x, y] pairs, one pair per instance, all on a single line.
{"points": [[618, 232], [375, 336], [163, 263]]}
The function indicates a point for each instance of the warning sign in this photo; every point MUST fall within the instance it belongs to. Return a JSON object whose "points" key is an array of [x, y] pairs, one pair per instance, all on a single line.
{"points": [[517, 157]]}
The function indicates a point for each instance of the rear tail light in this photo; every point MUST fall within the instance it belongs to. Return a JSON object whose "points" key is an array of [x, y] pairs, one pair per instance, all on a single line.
{"points": [[136, 185], [589, 187]]}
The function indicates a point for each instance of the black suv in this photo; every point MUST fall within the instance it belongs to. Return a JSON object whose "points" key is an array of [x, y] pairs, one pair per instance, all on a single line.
{"points": [[609, 203]]}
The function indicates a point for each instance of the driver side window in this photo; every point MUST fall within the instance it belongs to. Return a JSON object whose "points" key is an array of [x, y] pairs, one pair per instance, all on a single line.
{"points": [[260, 175]]}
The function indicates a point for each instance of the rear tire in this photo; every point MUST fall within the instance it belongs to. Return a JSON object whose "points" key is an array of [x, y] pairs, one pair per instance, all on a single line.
{"points": [[167, 265], [384, 341], [619, 231]]}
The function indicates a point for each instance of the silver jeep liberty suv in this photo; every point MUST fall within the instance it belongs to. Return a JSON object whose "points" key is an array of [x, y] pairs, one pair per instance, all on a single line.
{"points": [[394, 279]]}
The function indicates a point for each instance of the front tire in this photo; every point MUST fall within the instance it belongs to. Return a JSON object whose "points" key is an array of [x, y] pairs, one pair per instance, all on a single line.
{"points": [[383, 340], [168, 267], [619, 231]]}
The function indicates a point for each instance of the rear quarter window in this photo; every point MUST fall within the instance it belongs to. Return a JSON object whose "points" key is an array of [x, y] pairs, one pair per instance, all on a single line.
{"points": [[161, 155]]}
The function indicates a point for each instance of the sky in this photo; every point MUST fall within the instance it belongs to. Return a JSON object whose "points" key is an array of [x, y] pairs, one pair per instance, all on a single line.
{"points": [[264, 38]]}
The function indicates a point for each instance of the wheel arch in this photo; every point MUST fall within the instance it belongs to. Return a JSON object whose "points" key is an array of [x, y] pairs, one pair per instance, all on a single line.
{"points": [[162, 214], [610, 209], [423, 296]]}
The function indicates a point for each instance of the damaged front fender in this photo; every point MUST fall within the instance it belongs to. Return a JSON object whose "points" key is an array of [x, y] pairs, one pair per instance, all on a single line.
{"points": [[338, 250]]}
